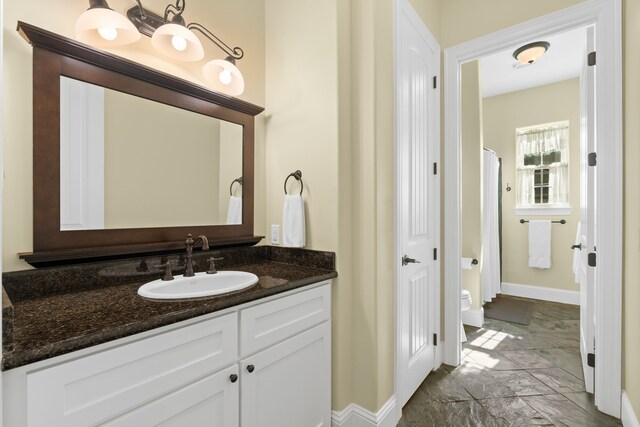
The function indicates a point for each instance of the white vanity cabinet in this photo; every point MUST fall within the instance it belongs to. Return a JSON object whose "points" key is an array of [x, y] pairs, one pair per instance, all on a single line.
{"points": [[262, 364], [286, 362]]}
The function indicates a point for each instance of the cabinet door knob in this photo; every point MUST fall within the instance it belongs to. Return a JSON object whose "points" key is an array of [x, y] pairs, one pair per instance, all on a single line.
{"points": [[233, 378], [250, 368]]}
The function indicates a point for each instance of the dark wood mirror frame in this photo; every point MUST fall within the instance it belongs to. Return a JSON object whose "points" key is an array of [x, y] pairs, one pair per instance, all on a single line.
{"points": [[55, 56]]}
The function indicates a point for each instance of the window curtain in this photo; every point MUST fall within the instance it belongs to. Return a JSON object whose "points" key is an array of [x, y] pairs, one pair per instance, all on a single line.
{"points": [[544, 141]]}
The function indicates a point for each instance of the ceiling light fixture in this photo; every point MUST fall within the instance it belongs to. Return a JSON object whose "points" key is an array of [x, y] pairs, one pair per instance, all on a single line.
{"points": [[530, 53], [102, 26], [170, 35]]}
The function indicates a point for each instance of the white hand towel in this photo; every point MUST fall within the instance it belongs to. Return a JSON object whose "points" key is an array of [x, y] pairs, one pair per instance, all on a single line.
{"points": [[234, 214], [293, 231], [576, 255], [540, 244]]}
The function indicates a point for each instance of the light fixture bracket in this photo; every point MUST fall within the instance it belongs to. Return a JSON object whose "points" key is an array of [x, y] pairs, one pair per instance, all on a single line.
{"points": [[147, 22]]}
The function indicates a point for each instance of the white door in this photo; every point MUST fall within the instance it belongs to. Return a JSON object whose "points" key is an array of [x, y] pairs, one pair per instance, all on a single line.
{"points": [[587, 213], [418, 67], [289, 384]]}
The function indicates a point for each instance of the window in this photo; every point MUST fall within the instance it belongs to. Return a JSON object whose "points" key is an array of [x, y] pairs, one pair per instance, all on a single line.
{"points": [[543, 166]]}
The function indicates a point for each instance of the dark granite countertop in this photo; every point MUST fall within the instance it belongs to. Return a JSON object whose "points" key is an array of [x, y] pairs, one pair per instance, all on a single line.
{"points": [[60, 310]]}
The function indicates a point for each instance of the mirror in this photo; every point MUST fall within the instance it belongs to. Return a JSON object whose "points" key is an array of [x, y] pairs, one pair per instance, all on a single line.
{"points": [[124, 160], [159, 161]]}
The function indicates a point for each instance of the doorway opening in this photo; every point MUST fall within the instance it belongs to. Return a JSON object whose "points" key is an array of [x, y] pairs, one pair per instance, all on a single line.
{"points": [[604, 18]]}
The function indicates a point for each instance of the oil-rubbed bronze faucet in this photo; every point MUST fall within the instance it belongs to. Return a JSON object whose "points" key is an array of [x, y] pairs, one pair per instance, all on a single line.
{"points": [[188, 269]]}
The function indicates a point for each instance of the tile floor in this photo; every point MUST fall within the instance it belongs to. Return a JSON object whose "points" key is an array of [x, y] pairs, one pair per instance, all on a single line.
{"points": [[512, 375]]}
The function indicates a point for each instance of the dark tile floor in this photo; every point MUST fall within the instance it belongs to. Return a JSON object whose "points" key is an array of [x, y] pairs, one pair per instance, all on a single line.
{"points": [[512, 375]]}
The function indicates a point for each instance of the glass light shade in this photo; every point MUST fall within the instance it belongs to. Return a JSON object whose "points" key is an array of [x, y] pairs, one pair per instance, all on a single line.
{"points": [[105, 27], [530, 53], [168, 39], [223, 76]]}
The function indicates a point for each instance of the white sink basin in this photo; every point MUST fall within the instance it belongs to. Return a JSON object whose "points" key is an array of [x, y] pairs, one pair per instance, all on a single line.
{"points": [[200, 285]]}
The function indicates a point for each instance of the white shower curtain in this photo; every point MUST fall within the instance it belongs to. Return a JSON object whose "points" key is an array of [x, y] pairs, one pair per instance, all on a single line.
{"points": [[490, 236]]}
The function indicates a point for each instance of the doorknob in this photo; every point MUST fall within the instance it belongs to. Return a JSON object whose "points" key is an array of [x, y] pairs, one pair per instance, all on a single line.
{"points": [[406, 260], [577, 246]]}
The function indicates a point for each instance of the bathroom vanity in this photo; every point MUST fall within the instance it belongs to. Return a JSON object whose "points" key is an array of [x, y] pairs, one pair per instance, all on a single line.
{"points": [[261, 356], [80, 346]]}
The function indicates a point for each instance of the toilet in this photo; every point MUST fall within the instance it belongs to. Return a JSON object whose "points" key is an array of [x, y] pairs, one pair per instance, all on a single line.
{"points": [[465, 304]]}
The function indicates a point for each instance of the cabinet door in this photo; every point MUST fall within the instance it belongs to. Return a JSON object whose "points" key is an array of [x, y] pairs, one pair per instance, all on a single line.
{"points": [[211, 401], [289, 384], [93, 389]]}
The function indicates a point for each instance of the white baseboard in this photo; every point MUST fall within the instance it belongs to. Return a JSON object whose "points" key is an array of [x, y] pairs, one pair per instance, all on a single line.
{"points": [[473, 317], [541, 293], [356, 416], [628, 416]]}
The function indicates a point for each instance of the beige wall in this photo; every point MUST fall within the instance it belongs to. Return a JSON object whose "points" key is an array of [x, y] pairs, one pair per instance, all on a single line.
{"points": [[330, 114], [302, 133], [147, 166], [472, 190], [238, 22], [631, 230], [430, 13], [464, 20], [502, 115]]}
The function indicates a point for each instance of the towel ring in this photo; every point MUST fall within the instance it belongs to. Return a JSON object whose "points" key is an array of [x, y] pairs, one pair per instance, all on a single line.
{"points": [[298, 176], [239, 181]]}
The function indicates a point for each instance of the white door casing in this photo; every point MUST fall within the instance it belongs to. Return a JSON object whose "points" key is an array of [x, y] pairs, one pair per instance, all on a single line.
{"points": [[417, 201], [587, 212], [606, 17]]}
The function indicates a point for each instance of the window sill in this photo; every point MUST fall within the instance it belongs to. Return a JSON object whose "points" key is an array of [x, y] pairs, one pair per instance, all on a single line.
{"points": [[543, 210]]}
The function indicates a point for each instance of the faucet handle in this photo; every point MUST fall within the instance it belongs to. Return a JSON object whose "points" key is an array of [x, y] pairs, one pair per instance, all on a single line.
{"points": [[211, 265], [167, 275]]}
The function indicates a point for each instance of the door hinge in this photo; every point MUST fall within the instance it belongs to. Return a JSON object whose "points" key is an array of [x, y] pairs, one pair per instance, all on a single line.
{"points": [[592, 159], [435, 169], [591, 59], [435, 82], [435, 340], [591, 360], [435, 254], [591, 259]]}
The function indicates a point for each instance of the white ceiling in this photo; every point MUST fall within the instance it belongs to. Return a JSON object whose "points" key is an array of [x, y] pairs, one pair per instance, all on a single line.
{"points": [[562, 61]]}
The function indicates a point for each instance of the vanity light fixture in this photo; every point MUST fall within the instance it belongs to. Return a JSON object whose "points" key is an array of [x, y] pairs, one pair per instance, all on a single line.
{"points": [[173, 37], [530, 53], [102, 26]]}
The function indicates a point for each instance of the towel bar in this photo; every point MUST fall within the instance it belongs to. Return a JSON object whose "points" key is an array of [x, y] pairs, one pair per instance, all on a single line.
{"points": [[562, 221], [298, 176]]}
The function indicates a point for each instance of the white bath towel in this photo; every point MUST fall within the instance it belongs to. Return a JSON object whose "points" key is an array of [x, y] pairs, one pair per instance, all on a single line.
{"points": [[234, 214], [576, 254], [540, 244], [293, 231]]}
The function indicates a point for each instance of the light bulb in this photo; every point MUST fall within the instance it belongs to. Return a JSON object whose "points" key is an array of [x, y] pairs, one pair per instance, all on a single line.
{"points": [[178, 43], [108, 33], [225, 77]]}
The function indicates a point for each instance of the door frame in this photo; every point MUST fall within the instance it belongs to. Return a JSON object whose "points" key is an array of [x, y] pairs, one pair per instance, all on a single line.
{"points": [[606, 16], [402, 8]]}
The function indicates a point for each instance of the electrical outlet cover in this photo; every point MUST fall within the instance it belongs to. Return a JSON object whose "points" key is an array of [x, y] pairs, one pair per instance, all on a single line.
{"points": [[275, 234]]}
